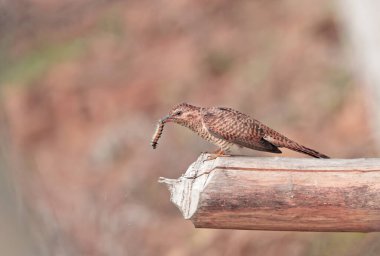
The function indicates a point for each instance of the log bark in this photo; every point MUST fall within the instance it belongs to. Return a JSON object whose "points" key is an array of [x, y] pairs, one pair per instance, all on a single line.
{"points": [[280, 194]]}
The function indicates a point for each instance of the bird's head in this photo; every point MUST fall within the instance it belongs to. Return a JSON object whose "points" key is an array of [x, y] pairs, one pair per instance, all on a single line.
{"points": [[182, 114]]}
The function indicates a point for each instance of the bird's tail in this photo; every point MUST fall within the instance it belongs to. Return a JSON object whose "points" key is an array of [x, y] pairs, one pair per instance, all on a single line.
{"points": [[282, 141], [302, 149]]}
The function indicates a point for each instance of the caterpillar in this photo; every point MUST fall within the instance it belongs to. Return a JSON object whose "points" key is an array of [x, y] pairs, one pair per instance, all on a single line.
{"points": [[157, 134]]}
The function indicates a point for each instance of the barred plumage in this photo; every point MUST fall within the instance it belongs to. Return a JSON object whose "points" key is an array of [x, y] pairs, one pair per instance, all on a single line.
{"points": [[157, 133], [225, 127]]}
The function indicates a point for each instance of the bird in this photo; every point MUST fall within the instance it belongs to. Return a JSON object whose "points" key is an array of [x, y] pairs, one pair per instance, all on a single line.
{"points": [[226, 127]]}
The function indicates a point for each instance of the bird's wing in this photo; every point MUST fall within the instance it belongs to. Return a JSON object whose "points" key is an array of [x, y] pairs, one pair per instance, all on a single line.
{"points": [[236, 127]]}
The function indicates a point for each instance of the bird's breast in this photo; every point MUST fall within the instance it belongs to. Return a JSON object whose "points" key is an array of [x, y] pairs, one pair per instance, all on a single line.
{"points": [[219, 142]]}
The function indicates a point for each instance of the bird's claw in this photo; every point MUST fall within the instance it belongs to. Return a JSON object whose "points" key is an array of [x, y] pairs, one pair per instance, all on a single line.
{"points": [[215, 156], [211, 157]]}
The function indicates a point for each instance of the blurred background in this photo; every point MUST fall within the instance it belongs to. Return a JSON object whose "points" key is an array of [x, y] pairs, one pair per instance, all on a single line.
{"points": [[83, 83]]}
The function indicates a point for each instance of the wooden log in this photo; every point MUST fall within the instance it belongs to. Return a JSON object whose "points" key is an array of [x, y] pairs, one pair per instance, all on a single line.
{"points": [[280, 194]]}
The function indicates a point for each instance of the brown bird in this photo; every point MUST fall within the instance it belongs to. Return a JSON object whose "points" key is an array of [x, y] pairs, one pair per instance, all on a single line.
{"points": [[226, 127]]}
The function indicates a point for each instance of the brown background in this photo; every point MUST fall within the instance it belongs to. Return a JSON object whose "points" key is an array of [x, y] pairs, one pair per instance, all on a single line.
{"points": [[84, 82]]}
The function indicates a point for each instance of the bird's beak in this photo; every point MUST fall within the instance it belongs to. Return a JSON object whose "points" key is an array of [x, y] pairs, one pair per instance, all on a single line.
{"points": [[165, 119]]}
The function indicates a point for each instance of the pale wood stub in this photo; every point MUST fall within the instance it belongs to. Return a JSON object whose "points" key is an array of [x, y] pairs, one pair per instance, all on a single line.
{"points": [[277, 193]]}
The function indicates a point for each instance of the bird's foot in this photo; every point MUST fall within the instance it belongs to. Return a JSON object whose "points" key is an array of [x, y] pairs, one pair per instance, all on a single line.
{"points": [[216, 154]]}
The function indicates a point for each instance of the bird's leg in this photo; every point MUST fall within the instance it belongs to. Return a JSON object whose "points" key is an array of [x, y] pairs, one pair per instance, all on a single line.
{"points": [[219, 152], [216, 154]]}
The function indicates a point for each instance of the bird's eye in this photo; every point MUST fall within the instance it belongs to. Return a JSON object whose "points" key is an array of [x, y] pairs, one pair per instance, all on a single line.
{"points": [[178, 113]]}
